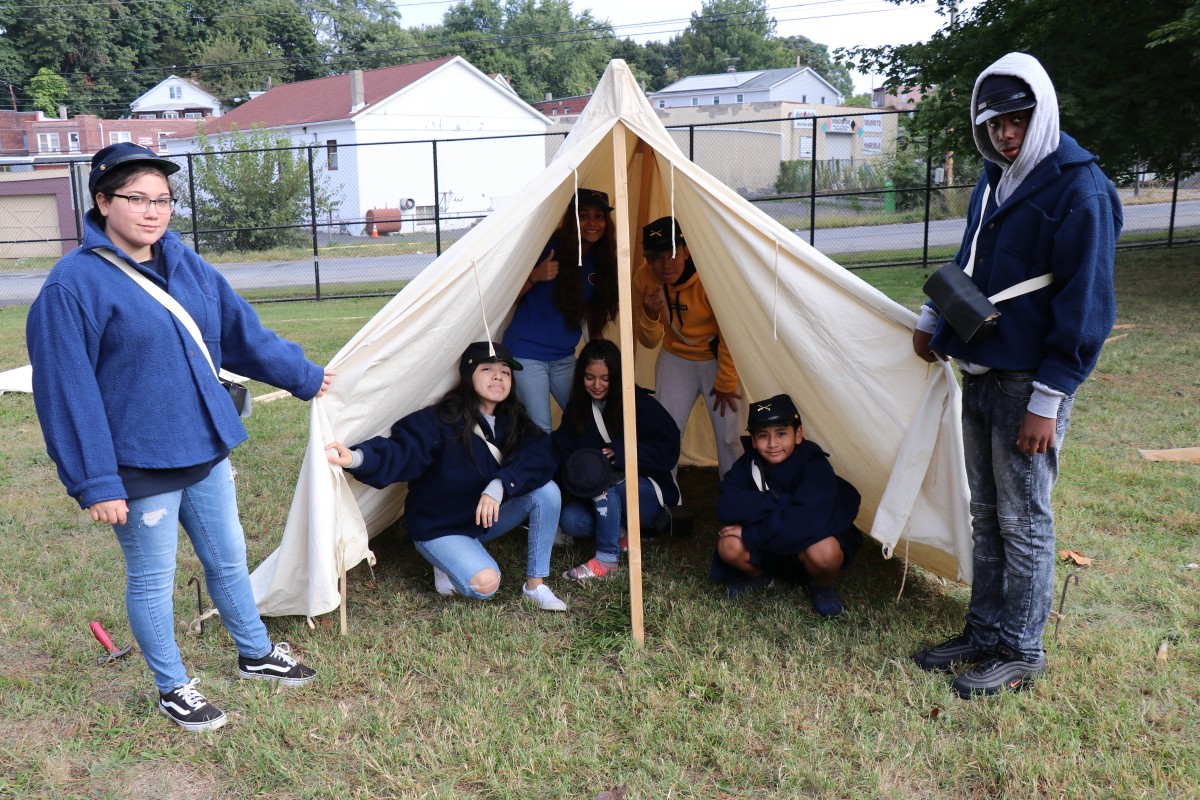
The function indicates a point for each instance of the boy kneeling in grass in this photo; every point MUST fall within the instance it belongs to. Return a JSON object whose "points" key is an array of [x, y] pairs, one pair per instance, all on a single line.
{"points": [[783, 511]]}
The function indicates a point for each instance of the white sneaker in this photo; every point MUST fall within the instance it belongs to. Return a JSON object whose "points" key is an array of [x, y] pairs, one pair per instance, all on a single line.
{"points": [[545, 599], [443, 584]]}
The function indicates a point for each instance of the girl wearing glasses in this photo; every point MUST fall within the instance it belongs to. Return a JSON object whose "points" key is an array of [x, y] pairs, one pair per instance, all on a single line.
{"points": [[138, 424]]}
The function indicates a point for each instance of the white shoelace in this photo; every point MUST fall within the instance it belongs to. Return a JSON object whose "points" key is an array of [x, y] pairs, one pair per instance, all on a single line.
{"points": [[283, 651], [190, 695]]}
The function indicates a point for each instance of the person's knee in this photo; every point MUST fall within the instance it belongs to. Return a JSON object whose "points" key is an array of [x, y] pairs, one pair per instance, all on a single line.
{"points": [[486, 582], [825, 556], [730, 549], [548, 497]]}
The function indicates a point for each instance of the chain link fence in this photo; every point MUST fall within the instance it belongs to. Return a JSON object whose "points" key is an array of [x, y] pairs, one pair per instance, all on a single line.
{"points": [[329, 219]]}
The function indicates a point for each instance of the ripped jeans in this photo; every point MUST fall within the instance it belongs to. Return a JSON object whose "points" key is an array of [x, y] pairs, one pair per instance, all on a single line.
{"points": [[150, 537]]}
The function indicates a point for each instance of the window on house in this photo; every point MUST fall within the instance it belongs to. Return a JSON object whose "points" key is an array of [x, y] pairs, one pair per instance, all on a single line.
{"points": [[175, 91], [716, 99], [822, 99], [192, 115], [169, 115], [662, 103], [73, 141], [739, 98], [695, 101], [48, 143], [118, 136], [803, 98], [147, 116], [331, 157]]}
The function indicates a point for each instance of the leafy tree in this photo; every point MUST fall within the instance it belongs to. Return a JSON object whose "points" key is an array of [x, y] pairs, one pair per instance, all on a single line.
{"points": [[731, 33], [48, 89], [1116, 74], [807, 53], [362, 34], [249, 184]]}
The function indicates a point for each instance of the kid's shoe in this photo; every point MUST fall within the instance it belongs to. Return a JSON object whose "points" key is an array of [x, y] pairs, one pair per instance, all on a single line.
{"points": [[825, 600], [749, 585], [955, 650], [1005, 671], [278, 665], [592, 568], [187, 708], [443, 584], [543, 598]]}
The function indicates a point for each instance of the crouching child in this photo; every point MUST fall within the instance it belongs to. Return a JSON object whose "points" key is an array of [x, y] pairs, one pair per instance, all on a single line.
{"points": [[783, 511]]}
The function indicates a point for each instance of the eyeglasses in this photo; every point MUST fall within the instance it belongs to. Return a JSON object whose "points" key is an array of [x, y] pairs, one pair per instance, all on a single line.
{"points": [[140, 202]]}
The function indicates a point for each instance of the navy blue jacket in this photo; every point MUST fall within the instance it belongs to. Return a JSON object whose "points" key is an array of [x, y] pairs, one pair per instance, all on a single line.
{"points": [[1064, 218], [117, 378], [806, 501], [657, 446], [444, 479]]}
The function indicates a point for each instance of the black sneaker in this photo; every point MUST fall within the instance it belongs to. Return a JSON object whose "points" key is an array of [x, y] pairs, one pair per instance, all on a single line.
{"points": [[825, 600], [942, 657], [188, 709], [749, 585], [1005, 671], [278, 665]]}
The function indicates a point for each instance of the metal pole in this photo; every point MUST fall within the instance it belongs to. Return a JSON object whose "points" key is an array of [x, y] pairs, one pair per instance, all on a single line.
{"points": [[928, 197], [312, 212], [692, 143], [437, 203], [192, 202], [812, 189], [1174, 205], [76, 191]]}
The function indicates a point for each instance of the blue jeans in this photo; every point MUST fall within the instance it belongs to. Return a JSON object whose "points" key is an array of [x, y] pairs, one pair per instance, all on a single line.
{"points": [[538, 380], [581, 519], [461, 557], [1011, 520], [149, 537]]}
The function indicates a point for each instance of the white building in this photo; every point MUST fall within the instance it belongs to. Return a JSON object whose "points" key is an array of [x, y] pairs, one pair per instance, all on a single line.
{"points": [[793, 85], [375, 134], [175, 98]]}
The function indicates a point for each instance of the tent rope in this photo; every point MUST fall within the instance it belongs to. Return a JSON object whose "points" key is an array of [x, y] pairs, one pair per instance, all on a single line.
{"points": [[904, 573], [578, 224], [673, 228], [775, 301], [483, 308]]}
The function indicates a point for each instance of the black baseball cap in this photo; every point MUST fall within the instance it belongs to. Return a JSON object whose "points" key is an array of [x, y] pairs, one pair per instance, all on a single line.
{"points": [[1002, 94], [593, 198], [485, 353], [656, 237], [123, 153], [777, 410]]}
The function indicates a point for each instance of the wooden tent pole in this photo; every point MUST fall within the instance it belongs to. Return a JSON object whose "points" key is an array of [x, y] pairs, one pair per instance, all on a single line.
{"points": [[628, 381]]}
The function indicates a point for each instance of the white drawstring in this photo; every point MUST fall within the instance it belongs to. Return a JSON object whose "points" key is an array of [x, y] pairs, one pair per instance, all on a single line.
{"points": [[578, 226], [673, 209], [775, 302], [483, 309]]}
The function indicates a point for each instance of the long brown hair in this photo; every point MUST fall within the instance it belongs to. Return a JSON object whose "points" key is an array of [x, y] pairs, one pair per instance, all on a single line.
{"points": [[579, 406], [568, 286]]}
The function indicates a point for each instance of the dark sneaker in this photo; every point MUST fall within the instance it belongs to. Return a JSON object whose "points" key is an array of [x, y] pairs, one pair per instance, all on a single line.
{"points": [[825, 600], [1005, 671], [942, 657], [188, 709], [278, 665], [749, 585]]}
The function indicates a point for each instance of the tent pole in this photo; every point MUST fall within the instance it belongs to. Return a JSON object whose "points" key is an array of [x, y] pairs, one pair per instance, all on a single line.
{"points": [[628, 381]]}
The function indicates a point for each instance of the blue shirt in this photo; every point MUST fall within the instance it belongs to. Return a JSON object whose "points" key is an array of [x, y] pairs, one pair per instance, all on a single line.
{"points": [[538, 329]]}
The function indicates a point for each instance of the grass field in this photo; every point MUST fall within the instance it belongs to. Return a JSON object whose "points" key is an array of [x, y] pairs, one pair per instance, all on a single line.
{"points": [[428, 698]]}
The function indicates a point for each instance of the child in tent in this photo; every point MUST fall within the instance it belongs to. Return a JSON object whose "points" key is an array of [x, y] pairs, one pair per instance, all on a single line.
{"points": [[694, 359], [591, 438], [476, 468], [784, 512], [559, 297]]}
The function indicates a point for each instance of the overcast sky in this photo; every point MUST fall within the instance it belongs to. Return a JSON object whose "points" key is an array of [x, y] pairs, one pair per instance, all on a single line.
{"points": [[836, 23]]}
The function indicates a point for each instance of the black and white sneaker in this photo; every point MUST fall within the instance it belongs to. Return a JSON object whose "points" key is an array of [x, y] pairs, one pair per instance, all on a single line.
{"points": [[278, 665], [1007, 671], [188, 709]]}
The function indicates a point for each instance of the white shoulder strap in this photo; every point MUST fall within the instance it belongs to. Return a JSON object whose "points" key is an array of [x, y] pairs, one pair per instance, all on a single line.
{"points": [[596, 415], [1024, 287], [169, 302], [756, 473], [495, 451]]}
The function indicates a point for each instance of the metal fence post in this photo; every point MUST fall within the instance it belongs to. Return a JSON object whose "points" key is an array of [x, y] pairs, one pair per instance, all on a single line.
{"points": [[437, 204], [692, 143], [812, 189], [192, 201], [76, 191], [312, 211], [1174, 205], [928, 200]]}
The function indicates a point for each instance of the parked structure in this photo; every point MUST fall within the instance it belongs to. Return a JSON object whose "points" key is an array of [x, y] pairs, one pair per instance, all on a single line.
{"points": [[793, 85], [175, 98]]}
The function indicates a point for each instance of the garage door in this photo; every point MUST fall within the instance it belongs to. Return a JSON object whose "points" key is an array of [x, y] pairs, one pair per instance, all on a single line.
{"points": [[25, 217]]}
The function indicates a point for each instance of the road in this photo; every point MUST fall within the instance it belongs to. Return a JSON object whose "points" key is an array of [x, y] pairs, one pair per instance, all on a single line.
{"points": [[19, 288]]}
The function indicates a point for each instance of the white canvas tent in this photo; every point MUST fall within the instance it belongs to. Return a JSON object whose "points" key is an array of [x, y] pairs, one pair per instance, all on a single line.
{"points": [[794, 322]]}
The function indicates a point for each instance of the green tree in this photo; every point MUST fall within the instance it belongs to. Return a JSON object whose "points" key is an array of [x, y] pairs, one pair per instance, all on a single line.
{"points": [[362, 34], [249, 184], [48, 89], [1117, 74], [807, 53], [731, 33]]}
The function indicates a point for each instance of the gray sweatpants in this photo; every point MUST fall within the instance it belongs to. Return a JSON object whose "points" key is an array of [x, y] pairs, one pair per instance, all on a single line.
{"points": [[677, 382]]}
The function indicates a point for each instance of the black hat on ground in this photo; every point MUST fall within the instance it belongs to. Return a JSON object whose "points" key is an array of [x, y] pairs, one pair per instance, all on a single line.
{"points": [[592, 198], [485, 353], [586, 473], [1001, 94], [656, 237], [777, 410], [122, 153]]}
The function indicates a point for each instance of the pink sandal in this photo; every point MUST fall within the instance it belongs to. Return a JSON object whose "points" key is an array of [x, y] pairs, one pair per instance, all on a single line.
{"points": [[592, 568]]}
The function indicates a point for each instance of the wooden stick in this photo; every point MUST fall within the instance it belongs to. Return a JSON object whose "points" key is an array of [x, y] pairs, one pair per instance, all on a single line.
{"points": [[1186, 455], [628, 382]]}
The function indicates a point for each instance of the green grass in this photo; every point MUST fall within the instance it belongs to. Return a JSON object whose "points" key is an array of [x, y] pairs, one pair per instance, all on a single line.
{"points": [[756, 699]]}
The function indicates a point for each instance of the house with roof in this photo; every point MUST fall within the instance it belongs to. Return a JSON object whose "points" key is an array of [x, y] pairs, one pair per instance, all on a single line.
{"points": [[175, 98], [793, 85], [432, 137]]}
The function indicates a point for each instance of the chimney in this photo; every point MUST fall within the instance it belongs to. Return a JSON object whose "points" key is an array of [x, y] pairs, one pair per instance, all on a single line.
{"points": [[549, 96], [62, 112], [357, 95], [731, 68]]}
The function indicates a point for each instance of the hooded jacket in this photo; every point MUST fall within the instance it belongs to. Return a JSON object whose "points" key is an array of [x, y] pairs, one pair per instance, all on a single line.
{"points": [[117, 378], [1052, 210]]}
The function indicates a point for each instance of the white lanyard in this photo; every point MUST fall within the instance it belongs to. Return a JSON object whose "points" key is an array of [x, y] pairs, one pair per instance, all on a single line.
{"points": [[1024, 287], [496, 454]]}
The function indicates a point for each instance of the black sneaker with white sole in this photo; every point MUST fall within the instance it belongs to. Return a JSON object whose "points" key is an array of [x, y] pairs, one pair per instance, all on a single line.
{"points": [[278, 665], [188, 709], [1004, 672], [944, 656]]}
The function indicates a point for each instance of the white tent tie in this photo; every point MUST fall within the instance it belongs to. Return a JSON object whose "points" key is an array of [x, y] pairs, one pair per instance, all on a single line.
{"points": [[775, 300], [578, 224], [483, 309]]}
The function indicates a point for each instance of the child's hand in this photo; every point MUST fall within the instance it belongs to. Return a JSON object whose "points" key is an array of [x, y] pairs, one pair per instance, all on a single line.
{"points": [[730, 530], [487, 512], [725, 400], [340, 455], [545, 271], [652, 302]]}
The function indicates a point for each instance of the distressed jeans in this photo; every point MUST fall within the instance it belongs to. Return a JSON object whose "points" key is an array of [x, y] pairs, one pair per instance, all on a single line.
{"points": [[150, 537], [584, 518], [538, 381], [461, 556], [1012, 524]]}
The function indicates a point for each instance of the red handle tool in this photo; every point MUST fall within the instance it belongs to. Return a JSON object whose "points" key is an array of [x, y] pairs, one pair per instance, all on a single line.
{"points": [[103, 638]]}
